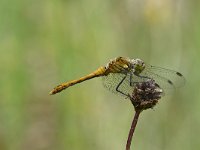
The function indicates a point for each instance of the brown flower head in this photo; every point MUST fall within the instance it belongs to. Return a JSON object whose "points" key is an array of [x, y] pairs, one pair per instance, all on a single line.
{"points": [[146, 95]]}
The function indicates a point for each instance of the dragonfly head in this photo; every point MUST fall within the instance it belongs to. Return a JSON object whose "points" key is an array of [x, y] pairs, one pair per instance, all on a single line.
{"points": [[138, 65]]}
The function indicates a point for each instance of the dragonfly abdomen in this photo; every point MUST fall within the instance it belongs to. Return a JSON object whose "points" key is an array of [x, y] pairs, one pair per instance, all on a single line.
{"points": [[99, 72]]}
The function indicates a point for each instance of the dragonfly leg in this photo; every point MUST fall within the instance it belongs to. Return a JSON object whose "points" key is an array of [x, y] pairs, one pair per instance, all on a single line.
{"points": [[132, 83], [143, 77], [131, 78], [117, 88]]}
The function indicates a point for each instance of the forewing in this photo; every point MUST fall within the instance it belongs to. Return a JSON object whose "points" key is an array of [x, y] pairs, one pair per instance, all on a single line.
{"points": [[165, 78]]}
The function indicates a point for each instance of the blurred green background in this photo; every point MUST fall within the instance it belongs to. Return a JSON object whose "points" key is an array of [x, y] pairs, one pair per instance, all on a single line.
{"points": [[46, 42]]}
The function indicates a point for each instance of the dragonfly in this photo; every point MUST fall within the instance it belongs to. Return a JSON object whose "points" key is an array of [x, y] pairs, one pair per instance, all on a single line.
{"points": [[121, 75]]}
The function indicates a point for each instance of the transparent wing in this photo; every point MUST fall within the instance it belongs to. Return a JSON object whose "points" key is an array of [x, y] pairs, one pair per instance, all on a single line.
{"points": [[112, 80], [165, 78]]}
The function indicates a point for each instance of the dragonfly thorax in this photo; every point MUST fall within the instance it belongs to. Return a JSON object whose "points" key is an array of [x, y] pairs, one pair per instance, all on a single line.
{"points": [[137, 65]]}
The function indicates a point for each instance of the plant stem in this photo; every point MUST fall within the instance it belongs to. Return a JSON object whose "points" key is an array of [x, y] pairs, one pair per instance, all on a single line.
{"points": [[132, 129]]}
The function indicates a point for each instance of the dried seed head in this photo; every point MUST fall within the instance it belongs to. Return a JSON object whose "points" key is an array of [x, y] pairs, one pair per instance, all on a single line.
{"points": [[146, 95]]}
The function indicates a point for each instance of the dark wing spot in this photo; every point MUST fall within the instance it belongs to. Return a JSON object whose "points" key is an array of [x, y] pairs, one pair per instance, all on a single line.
{"points": [[179, 74], [157, 85], [170, 82]]}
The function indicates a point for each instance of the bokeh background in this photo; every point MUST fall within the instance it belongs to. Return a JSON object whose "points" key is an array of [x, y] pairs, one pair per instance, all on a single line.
{"points": [[46, 42]]}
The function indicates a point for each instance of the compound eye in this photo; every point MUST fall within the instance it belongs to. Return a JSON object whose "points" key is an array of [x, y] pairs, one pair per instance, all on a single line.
{"points": [[143, 63]]}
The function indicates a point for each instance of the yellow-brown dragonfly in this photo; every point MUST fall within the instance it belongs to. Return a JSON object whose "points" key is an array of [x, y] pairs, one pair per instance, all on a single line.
{"points": [[121, 74]]}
